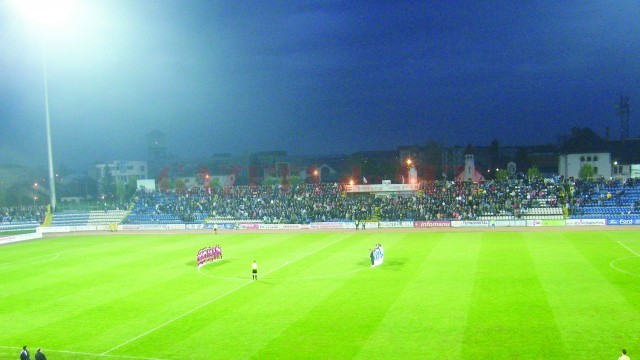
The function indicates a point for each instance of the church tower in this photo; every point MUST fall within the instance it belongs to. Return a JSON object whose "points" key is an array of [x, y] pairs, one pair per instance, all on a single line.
{"points": [[469, 163]]}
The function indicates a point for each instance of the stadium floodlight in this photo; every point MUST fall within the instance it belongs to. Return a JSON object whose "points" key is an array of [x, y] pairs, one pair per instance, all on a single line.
{"points": [[46, 15]]}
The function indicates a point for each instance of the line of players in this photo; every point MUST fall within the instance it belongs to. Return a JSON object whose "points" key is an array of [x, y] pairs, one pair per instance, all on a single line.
{"points": [[208, 254], [377, 255]]}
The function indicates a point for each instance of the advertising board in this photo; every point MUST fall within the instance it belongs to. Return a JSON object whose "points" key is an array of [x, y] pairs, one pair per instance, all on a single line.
{"points": [[372, 224], [394, 224], [432, 223], [585, 222], [470, 223], [623, 221], [546, 222], [332, 225], [53, 229], [21, 237], [226, 226], [279, 226], [510, 223], [152, 227], [382, 188]]}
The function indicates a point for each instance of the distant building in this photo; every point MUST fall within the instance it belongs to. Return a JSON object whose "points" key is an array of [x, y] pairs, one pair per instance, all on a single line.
{"points": [[469, 172], [581, 148], [123, 171], [569, 165]]}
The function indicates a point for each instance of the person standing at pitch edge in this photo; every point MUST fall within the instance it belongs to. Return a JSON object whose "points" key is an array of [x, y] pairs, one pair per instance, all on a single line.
{"points": [[254, 270], [24, 355], [40, 355]]}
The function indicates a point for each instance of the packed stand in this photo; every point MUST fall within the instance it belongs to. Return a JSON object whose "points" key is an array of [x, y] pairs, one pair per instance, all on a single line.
{"points": [[307, 203]]}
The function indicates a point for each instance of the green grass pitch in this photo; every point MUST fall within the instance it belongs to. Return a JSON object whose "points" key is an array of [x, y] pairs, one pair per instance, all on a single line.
{"points": [[438, 295]]}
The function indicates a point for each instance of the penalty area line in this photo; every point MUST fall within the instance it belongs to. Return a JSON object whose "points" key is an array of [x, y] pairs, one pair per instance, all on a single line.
{"points": [[628, 248], [217, 298]]}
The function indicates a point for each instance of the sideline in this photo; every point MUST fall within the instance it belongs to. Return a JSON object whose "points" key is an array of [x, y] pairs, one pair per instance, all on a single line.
{"points": [[18, 349], [218, 297]]}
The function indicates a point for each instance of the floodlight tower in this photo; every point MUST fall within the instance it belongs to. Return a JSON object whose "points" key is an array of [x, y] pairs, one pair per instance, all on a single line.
{"points": [[623, 111], [52, 179], [46, 15]]}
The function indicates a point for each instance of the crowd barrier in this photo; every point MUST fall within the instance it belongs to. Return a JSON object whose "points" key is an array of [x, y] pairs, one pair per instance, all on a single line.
{"points": [[21, 237], [352, 225], [327, 225]]}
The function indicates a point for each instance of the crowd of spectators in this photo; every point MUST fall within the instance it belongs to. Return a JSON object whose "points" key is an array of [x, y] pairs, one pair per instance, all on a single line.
{"points": [[604, 193], [330, 202], [271, 204], [22, 214], [322, 202]]}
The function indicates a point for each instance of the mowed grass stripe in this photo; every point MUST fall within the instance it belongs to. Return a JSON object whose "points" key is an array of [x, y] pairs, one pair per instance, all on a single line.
{"points": [[88, 295], [84, 261], [227, 325], [350, 310], [593, 317], [428, 318], [595, 305], [509, 317], [103, 292]]}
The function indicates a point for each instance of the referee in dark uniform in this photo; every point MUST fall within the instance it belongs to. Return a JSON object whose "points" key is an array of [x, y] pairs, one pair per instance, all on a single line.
{"points": [[40, 355]]}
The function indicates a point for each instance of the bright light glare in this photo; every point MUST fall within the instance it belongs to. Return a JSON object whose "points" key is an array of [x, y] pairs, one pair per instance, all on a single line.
{"points": [[45, 13]]}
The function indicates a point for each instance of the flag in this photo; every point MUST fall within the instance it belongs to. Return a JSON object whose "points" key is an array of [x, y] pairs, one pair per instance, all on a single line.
{"points": [[364, 180]]}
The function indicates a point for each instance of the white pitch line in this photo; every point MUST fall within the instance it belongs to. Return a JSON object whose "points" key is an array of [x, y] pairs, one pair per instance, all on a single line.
{"points": [[614, 267], [613, 262], [626, 247], [49, 257], [216, 298], [86, 353]]}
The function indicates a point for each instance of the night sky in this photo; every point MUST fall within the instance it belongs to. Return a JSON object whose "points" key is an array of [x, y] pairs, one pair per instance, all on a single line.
{"points": [[313, 77]]}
